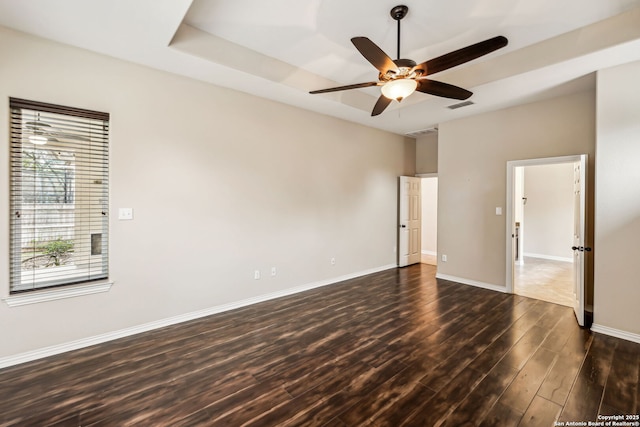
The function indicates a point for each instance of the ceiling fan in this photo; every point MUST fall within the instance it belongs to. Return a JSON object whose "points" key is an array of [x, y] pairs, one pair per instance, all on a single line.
{"points": [[401, 77]]}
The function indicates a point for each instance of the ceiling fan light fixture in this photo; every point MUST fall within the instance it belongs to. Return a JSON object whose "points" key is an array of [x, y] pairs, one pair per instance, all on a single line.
{"points": [[38, 139], [399, 78], [399, 89]]}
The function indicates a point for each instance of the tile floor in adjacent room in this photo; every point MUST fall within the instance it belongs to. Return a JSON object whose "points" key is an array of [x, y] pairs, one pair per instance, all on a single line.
{"points": [[544, 279]]}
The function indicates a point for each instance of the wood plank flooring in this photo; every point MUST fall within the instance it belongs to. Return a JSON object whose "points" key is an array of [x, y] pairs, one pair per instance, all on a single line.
{"points": [[396, 348]]}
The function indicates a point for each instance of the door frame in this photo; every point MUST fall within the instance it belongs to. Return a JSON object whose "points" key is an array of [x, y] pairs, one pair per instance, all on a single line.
{"points": [[422, 176], [510, 208]]}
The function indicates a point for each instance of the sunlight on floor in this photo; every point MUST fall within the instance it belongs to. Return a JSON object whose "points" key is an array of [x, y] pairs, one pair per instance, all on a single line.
{"points": [[429, 259]]}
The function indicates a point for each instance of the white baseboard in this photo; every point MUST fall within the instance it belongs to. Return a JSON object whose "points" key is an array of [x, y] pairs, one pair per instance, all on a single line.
{"points": [[109, 336], [432, 253], [615, 333], [549, 257], [483, 285]]}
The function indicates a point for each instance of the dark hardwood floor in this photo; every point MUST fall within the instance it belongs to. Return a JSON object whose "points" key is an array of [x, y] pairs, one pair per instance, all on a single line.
{"points": [[396, 348]]}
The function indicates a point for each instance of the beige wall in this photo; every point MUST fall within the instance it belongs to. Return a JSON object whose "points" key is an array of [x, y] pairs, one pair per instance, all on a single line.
{"points": [[427, 153], [221, 183], [617, 251], [472, 156], [548, 214]]}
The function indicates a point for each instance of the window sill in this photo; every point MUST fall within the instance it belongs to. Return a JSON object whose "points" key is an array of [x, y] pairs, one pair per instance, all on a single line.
{"points": [[55, 294]]}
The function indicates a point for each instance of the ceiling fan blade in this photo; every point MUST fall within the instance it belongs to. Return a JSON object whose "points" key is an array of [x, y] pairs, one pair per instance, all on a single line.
{"points": [[461, 56], [339, 88], [375, 55], [434, 87], [383, 102]]}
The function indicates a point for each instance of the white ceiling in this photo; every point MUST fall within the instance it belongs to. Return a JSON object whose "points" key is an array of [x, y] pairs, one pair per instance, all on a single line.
{"points": [[282, 49]]}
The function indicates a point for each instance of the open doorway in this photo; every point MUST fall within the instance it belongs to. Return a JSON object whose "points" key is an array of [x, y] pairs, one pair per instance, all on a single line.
{"points": [[544, 215], [429, 245], [517, 230]]}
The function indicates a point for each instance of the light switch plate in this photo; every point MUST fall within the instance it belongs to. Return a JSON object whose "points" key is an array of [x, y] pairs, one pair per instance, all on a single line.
{"points": [[125, 213], [498, 211]]}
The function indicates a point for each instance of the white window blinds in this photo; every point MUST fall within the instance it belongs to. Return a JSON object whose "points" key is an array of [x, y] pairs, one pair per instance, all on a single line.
{"points": [[59, 195]]}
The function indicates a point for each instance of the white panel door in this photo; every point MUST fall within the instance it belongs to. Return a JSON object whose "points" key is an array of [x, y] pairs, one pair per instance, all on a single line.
{"points": [[409, 221], [579, 227]]}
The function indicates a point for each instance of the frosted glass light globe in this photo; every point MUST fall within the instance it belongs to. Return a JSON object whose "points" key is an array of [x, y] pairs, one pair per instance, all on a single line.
{"points": [[399, 89]]}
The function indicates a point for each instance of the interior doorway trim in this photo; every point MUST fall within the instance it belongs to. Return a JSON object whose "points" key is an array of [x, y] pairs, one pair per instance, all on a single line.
{"points": [[511, 165]]}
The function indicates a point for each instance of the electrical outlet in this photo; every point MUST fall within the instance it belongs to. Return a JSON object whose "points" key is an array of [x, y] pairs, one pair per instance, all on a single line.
{"points": [[273, 271], [444, 258], [333, 261], [256, 274]]}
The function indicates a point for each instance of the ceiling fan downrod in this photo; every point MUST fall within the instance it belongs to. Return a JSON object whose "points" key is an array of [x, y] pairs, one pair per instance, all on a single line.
{"points": [[397, 13]]}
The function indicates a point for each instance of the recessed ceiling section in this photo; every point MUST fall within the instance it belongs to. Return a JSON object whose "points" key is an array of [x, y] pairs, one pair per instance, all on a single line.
{"points": [[315, 35], [306, 45], [212, 48], [282, 49]]}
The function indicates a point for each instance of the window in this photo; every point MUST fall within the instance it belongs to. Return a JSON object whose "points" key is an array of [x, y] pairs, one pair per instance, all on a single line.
{"points": [[59, 195]]}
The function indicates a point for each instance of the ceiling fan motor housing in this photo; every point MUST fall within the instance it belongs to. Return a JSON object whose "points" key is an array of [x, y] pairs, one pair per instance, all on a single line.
{"points": [[405, 70]]}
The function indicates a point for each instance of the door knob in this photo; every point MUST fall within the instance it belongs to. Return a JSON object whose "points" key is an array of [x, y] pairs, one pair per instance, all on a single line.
{"points": [[575, 248], [403, 226]]}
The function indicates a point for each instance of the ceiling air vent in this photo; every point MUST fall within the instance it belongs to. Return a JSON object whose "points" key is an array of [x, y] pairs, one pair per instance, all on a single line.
{"points": [[460, 105], [423, 132]]}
